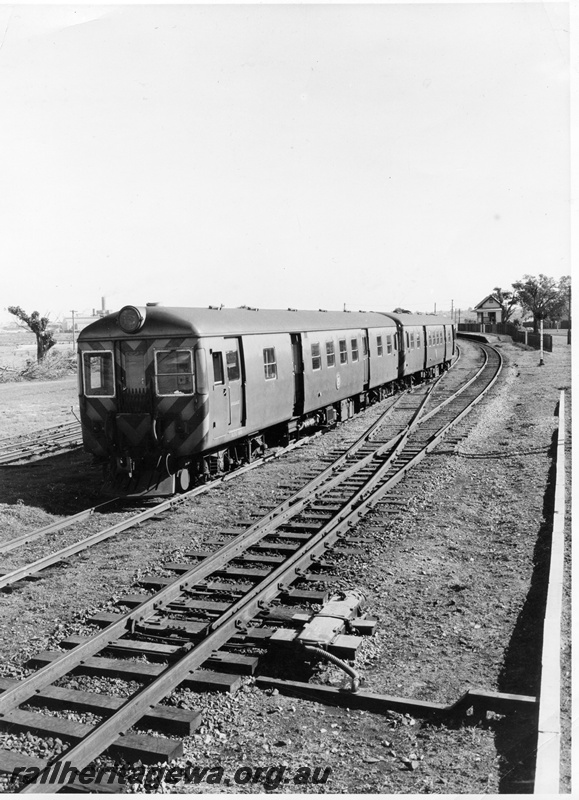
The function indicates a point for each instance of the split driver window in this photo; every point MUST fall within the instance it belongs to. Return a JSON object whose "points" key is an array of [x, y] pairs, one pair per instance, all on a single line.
{"points": [[174, 372]]}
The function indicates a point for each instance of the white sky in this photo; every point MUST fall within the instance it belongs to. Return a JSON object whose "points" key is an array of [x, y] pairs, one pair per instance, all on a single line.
{"points": [[281, 155]]}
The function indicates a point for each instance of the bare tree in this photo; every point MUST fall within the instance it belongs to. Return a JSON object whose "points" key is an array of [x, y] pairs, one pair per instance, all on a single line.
{"points": [[508, 300], [37, 324]]}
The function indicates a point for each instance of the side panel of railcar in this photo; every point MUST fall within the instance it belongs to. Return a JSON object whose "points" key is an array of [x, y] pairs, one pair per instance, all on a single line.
{"points": [[382, 344], [413, 353], [334, 366], [269, 364], [435, 345], [250, 384]]}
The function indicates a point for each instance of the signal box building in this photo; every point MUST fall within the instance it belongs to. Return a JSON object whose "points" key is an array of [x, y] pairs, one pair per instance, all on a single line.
{"points": [[488, 311]]}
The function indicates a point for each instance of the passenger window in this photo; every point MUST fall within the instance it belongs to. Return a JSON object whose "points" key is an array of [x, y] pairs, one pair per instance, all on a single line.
{"points": [[379, 345], [343, 351], [389, 344], [417, 340], [218, 375], [365, 346], [316, 356], [269, 363], [174, 372], [412, 341], [354, 343], [232, 361], [99, 374], [330, 354]]}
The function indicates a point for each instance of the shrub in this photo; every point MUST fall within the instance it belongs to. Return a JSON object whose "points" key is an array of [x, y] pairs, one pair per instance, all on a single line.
{"points": [[54, 365]]}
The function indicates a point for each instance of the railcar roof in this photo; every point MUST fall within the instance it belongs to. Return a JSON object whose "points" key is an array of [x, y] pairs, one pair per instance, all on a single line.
{"points": [[169, 321], [420, 319]]}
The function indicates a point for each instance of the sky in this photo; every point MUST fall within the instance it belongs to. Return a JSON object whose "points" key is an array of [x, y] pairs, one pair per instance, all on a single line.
{"points": [[307, 156]]}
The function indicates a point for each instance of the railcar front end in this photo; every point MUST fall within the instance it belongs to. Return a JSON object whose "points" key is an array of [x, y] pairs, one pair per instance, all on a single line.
{"points": [[143, 399]]}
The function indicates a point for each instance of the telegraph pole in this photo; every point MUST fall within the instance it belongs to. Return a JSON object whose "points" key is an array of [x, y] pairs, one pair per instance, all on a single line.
{"points": [[73, 312], [452, 310]]}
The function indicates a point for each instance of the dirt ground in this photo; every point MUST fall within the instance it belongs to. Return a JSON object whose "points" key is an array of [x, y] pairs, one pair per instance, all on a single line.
{"points": [[457, 583]]}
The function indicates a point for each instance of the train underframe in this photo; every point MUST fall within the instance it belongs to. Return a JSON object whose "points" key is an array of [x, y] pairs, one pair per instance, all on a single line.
{"points": [[137, 475]]}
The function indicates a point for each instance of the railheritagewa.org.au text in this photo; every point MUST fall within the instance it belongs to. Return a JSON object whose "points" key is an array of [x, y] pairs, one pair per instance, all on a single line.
{"points": [[269, 777]]}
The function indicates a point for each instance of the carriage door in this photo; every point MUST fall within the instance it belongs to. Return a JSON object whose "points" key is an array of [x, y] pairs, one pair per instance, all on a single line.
{"points": [[365, 359], [298, 367], [234, 382]]}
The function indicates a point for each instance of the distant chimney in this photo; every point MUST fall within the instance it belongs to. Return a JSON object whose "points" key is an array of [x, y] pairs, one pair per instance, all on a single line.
{"points": [[103, 304]]}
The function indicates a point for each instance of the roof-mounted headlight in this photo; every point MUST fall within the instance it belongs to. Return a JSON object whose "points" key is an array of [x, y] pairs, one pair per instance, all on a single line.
{"points": [[130, 319]]}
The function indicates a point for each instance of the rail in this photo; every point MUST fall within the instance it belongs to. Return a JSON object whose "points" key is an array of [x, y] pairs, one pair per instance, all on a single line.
{"points": [[44, 442], [20, 573]]}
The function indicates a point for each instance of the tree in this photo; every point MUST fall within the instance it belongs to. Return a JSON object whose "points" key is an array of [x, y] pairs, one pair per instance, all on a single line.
{"points": [[37, 324], [565, 292], [508, 301], [401, 311], [541, 296]]}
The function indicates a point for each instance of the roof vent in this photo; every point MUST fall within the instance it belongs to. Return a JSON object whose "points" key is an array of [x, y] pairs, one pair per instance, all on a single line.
{"points": [[155, 303]]}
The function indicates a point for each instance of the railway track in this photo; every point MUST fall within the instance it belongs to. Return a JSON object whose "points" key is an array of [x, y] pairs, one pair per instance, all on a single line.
{"points": [[242, 592], [48, 441], [15, 574]]}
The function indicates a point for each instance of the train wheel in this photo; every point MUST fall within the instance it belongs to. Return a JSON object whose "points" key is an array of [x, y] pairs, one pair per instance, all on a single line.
{"points": [[183, 480]]}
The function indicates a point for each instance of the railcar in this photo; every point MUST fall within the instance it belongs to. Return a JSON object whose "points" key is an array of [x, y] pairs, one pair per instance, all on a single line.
{"points": [[427, 342], [173, 395]]}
